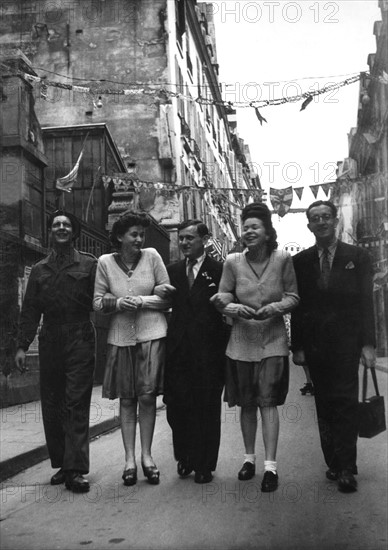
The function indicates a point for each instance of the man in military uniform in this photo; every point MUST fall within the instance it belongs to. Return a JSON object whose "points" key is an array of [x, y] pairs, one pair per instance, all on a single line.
{"points": [[60, 288]]}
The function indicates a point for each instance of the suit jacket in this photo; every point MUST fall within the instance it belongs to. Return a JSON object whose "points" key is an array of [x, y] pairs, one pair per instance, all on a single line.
{"points": [[339, 317], [197, 335]]}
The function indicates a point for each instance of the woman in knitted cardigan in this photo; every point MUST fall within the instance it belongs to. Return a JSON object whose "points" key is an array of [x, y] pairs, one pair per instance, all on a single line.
{"points": [[257, 288], [125, 282]]}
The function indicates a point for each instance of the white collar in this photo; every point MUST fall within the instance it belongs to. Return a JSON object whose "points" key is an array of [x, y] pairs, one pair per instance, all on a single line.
{"points": [[198, 260]]}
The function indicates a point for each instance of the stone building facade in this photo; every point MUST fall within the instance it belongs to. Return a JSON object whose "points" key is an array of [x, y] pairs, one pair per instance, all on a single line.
{"points": [[151, 72], [361, 191]]}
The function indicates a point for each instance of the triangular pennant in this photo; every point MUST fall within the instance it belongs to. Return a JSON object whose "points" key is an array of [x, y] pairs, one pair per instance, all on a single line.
{"points": [[315, 189], [299, 192], [326, 188], [281, 200]]}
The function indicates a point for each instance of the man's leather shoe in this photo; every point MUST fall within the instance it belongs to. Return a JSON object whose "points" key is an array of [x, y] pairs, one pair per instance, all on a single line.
{"points": [[203, 477], [58, 478], [247, 471], [270, 482], [77, 483], [183, 468], [332, 475], [347, 482]]}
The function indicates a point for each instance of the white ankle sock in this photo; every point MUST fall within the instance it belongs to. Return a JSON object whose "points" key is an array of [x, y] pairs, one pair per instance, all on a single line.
{"points": [[270, 466], [250, 458]]}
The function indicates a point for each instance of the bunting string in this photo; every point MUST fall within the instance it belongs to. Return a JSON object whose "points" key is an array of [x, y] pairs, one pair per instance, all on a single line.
{"points": [[139, 89], [281, 199]]}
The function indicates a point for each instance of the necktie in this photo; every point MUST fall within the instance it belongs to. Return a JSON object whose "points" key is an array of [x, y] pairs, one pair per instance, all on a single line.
{"points": [[190, 272], [325, 268]]}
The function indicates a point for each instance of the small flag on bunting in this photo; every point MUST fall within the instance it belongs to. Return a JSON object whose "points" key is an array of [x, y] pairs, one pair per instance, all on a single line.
{"points": [[281, 200], [306, 102], [260, 117], [314, 189], [299, 192]]}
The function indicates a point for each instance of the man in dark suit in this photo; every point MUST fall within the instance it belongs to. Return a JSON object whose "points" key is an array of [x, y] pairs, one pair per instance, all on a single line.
{"points": [[331, 329], [196, 342]]}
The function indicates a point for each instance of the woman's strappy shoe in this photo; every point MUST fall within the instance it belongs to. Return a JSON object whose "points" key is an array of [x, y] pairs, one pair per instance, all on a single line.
{"points": [[130, 476], [151, 473]]}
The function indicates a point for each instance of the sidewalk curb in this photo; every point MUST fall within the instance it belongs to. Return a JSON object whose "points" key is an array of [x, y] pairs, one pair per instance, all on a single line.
{"points": [[381, 367], [15, 465]]}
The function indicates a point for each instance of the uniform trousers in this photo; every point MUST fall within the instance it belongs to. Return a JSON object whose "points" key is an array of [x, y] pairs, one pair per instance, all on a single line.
{"points": [[66, 357]]}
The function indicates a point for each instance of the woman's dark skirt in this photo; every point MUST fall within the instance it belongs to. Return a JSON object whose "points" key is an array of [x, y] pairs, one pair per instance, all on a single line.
{"points": [[134, 370], [262, 384]]}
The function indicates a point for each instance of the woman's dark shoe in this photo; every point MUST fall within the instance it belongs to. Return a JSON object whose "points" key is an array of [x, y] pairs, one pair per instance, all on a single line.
{"points": [[270, 482], [307, 388], [151, 473], [247, 471], [130, 476]]}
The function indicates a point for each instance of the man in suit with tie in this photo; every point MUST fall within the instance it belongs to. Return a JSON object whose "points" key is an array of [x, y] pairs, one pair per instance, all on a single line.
{"points": [[196, 342], [331, 329]]}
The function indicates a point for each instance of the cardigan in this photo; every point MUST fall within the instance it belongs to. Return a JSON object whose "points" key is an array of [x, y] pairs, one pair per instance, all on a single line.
{"points": [[127, 328], [252, 340]]}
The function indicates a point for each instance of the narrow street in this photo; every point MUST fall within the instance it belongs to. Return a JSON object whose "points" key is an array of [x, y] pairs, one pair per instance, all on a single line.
{"points": [[306, 511]]}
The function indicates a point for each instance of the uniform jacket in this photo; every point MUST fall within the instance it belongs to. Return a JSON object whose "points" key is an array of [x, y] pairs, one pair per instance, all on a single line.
{"points": [[340, 315], [63, 295]]}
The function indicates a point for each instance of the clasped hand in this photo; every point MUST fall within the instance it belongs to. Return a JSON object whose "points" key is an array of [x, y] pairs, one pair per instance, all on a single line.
{"points": [[246, 312], [222, 299], [130, 303]]}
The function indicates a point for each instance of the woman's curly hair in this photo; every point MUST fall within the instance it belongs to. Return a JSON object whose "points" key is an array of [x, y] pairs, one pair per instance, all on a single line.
{"points": [[126, 220]]}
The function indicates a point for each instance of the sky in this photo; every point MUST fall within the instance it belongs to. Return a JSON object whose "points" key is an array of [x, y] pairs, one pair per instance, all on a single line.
{"points": [[273, 49]]}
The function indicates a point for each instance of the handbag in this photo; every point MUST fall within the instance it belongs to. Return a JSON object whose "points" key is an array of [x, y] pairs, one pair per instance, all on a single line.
{"points": [[371, 411]]}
